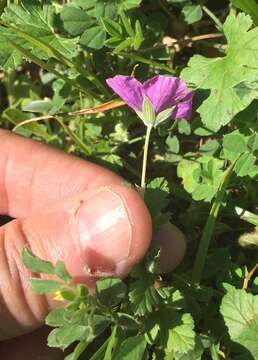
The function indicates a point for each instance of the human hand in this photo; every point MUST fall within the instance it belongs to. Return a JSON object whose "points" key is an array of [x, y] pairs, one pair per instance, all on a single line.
{"points": [[66, 209]]}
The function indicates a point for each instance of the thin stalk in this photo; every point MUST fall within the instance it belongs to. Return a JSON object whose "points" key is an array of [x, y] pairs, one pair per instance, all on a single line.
{"points": [[74, 137], [173, 126], [210, 224], [143, 60], [9, 81], [48, 67], [52, 52], [165, 8], [100, 352], [213, 17], [145, 158], [111, 344], [133, 141]]}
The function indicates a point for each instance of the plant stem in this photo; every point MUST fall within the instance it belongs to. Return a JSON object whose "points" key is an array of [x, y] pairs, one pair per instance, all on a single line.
{"points": [[150, 62], [44, 65], [213, 17], [145, 158], [209, 226], [111, 344], [165, 8], [54, 53], [74, 137], [100, 352]]}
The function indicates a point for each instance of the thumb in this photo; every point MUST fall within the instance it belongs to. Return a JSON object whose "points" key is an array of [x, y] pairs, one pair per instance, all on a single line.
{"points": [[97, 233]]}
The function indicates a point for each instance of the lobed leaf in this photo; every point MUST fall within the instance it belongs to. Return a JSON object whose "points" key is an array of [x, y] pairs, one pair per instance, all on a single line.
{"points": [[240, 312], [222, 76]]}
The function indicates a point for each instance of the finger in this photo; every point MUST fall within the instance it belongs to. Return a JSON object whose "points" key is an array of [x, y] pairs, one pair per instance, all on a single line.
{"points": [[30, 347], [101, 232], [33, 174]]}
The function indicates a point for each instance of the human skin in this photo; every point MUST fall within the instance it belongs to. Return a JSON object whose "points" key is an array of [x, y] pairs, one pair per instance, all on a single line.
{"points": [[66, 209]]}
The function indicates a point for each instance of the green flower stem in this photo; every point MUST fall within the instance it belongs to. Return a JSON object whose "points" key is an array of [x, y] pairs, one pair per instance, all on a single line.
{"points": [[209, 226], [145, 158]]}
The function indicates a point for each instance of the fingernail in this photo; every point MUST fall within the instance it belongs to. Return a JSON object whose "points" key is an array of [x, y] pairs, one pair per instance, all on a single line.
{"points": [[105, 230]]}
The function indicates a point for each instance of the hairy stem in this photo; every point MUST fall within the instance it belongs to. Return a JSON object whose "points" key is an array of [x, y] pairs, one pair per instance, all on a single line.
{"points": [[145, 158], [209, 226]]}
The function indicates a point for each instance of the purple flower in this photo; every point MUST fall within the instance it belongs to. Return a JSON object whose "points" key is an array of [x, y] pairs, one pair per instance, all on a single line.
{"points": [[162, 92]]}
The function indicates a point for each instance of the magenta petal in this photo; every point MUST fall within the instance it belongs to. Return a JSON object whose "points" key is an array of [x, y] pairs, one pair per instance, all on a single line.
{"points": [[128, 89], [165, 91], [184, 108]]}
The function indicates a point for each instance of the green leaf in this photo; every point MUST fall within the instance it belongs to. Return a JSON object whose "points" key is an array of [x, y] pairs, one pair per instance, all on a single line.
{"points": [[192, 13], [10, 58], [240, 312], [181, 338], [129, 4], [113, 42], [246, 165], [132, 348], [143, 295], [33, 28], [62, 90], [62, 273], [75, 21], [156, 196], [253, 142], [107, 9], [40, 286], [186, 170], [201, 178], [65, 336], [223, 76], [127, 24], [41, 106], [184, 127], [209, 147], [173, 144], [85, 4], [112, 27], [195, 354], [56, 317], [123, 45], [35, 264], [235, 142], [139, 38], [110, 291], [94, 37], [248, 6]]}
